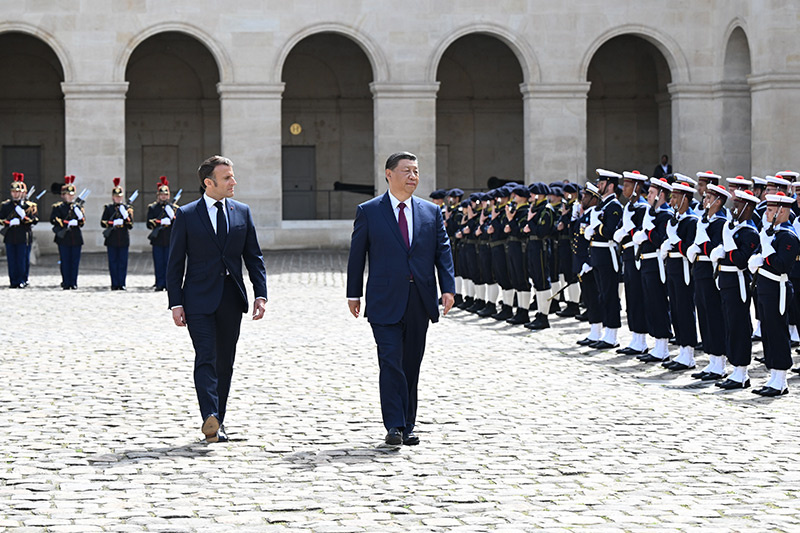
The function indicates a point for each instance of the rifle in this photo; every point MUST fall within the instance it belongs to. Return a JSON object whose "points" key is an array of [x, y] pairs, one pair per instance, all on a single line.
{"points": [[562, 289], [79, 202]]}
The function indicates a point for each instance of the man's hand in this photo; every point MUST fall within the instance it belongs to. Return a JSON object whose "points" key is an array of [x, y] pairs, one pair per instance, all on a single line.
{"points": [[448, 299], [355, 307], [178, 316], [259, 306]]}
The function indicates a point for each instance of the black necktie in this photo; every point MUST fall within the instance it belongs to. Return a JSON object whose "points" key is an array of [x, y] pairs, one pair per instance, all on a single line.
{"points": [[222, 225]]}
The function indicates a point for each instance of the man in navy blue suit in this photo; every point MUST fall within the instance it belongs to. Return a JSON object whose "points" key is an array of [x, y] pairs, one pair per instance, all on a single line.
{"points": [[405, 240], [210, 239]]}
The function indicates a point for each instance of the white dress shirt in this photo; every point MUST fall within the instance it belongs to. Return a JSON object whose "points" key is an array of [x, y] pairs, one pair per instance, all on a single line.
{"points": [[409, 215], [212, 212]]}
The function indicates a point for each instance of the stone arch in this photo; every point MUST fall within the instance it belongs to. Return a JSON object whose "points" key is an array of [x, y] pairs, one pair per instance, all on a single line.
{"points": [[375, 55], [48, 39], [669, 48], [218, 53], [525, 55], [735, 29], [735, 102]]}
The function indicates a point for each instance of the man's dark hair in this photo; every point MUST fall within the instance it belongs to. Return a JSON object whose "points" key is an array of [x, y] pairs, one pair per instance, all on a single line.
{"points": [[395, 159], [665, 156], [207, 167]]}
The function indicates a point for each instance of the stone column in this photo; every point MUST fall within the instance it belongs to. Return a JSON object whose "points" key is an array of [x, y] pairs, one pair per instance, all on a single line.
{"points": [[94, 145], [251, 138], [405, 119], [775, 101], [555, 131], [695, 128]]}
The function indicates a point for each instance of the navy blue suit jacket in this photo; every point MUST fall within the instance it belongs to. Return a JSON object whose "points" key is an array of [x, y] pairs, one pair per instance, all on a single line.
{"points": [[376, 234], [195, 251]]}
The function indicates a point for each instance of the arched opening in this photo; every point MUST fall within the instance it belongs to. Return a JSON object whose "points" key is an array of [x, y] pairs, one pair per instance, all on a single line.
{"points": [[479, 115], [172, 116], [327, 129], [628, 115], [736, 106], [31, 113]]}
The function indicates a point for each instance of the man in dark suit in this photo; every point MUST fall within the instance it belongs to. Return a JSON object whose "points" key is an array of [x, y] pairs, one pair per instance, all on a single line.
{"points": [[210, 239], [664, 169], [407, 246]]}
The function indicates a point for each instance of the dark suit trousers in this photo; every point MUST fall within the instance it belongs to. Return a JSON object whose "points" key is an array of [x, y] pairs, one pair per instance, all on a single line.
{"points": [[400, 350], [214, 338]]}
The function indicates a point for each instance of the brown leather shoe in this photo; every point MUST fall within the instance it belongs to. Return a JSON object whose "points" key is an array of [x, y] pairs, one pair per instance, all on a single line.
{"points": [[210, 428]]}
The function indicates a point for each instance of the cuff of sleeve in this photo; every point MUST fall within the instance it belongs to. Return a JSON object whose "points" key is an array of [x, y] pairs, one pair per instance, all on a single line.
{"points": [[175, 307], [354, 299]]}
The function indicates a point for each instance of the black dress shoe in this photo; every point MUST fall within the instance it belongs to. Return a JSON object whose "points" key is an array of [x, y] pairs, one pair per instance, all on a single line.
{"points": [[712, 376], [488, 310], [521, 317], [650, 358], [210, 428], [678, 367], [625, 351], [639, 353], [795, 344], [466, 302], [555, 307], [673, 340], [410, 439], [603, 345], [755, 338], [394, 437], [668, 364], [699, 375], [476, 306], [769, 392], [222, 435], [796, 370], [699, 348], [581, 317], [730, 384], [760, 359], [586, 342]]}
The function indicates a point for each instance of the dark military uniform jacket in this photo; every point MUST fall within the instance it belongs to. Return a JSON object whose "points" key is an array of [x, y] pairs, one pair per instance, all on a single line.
{"points": [[60, 216], [155, 213], [117, 236], [21, 233]]}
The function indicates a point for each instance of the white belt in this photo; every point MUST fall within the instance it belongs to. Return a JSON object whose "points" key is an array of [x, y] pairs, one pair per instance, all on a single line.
{"points": [[612, 246], [782, 279], [627, 245], [661, 272], [687, 277], [740, 273], [703, 258], [675, 255], [651, 255]]}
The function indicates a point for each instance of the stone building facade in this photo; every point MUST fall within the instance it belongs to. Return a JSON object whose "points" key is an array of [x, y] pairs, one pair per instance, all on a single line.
{"points": [[305, 95]]}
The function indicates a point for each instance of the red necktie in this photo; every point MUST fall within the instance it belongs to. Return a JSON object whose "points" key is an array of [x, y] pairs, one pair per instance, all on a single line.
{"points": [[401, 220]]}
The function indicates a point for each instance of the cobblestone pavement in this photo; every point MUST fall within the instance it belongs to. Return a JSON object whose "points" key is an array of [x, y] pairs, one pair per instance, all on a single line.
{"points": [[520, 431]]}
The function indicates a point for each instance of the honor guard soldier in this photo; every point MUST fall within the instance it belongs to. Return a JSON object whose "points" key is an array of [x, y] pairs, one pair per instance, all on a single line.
{"points": [[469, 226], [603, 223], [517, 215], [740, 241], [555, 198], [497, 241], [680, 285], [437, 197], [67, 218], [570, 211], [654, 276], [709, 306], [582, 265], [540, 225], [779, 249], [486, 292], [117, 221], [160, 215], [759, 187], [739, 182], [18, 216], [633, 185], [452, 220]]}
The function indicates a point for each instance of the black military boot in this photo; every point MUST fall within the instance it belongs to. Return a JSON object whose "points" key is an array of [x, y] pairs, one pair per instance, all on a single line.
{"points": [[466, 302], [457, 300], [488, 310], [505, 313], [569, 311], [521, 317], [555, 307], [476, 306], [540, 321]]}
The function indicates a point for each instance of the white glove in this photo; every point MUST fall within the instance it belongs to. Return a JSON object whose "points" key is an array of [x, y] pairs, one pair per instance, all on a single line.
{"points": [[118, 222], [647, 223], [755, 261], [72, 223], [584, 269], [663, 250], [594, 218], [727, 238], [627, 219], [672, 233], [639, 237], [20, 211], [588, 233], [78, 212], [169, 211], [702, 234], [796, 225], [717, 254], [123, 211], [13, 222], [166, 221], [620, 234], [691, 253]]}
